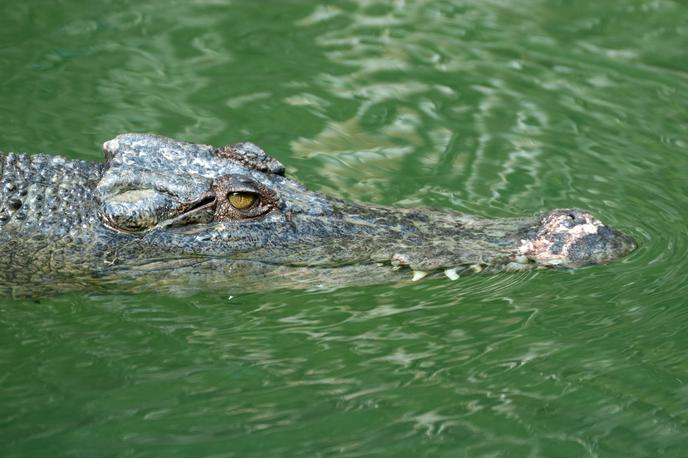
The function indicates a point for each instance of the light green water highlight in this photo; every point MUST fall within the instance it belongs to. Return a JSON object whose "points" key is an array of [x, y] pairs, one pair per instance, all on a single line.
{"points": [[491, 107]]}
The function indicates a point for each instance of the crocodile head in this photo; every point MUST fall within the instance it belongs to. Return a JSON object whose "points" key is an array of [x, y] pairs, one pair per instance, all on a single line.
{"points": [[179, 208]]}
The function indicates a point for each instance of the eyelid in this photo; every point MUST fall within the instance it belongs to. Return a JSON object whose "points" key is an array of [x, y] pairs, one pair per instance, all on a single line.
{"points": [[243, 187]]}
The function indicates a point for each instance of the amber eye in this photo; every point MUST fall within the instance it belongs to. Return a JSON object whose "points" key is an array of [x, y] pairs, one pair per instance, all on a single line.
{"points": [[242, 200]]}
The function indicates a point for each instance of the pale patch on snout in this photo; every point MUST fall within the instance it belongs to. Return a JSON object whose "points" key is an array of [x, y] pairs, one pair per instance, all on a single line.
{"points": [[557, 234]]}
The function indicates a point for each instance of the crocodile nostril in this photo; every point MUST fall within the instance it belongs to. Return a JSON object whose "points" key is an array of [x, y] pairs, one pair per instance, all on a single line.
{"points": [[569, 221], [574, 218]]}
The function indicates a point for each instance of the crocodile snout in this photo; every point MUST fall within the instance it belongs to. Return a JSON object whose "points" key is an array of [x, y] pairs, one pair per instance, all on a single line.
{"points": [[574, 238]]}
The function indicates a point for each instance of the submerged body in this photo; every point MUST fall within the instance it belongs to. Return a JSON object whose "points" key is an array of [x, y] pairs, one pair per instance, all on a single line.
{"points": [[159, 213]]}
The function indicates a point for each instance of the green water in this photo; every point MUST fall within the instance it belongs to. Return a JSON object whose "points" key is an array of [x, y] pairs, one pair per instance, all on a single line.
{"points": [[495, 107]]}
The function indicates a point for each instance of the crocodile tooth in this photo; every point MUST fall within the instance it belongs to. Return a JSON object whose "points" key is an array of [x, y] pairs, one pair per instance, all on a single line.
{"points": [[521, 259], [452, 274], [418, 274], [476, 268]]}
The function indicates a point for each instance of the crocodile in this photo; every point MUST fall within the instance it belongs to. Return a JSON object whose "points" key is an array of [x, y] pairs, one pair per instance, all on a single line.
{"points": [[165, 215]]}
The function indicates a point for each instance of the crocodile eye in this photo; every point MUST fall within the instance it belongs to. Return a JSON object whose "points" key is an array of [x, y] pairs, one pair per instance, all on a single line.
{"points": [[242, 200]]}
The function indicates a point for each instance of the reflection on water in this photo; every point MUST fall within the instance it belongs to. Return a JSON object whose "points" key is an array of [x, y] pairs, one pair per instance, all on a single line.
{"points": [[496, 108]]}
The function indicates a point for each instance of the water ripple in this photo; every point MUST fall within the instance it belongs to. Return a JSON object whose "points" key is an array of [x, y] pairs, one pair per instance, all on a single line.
{"points": [[490, 107]]}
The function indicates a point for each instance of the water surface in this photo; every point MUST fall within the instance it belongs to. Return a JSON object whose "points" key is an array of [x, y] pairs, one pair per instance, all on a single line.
{"points": [[498, 108]]}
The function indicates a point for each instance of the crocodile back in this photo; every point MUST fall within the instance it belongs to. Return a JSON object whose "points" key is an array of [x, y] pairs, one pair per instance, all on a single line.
{"points": [[46, 204]]}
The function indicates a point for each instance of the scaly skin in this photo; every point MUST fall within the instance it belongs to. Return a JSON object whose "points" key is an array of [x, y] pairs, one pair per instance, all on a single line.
{"points": [[162, 214]]}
